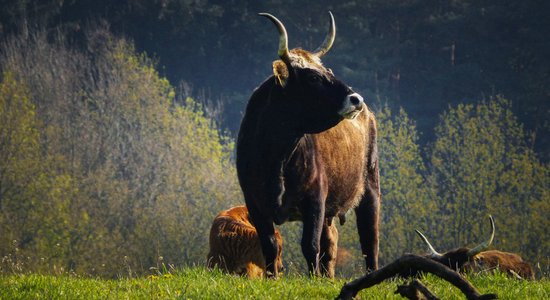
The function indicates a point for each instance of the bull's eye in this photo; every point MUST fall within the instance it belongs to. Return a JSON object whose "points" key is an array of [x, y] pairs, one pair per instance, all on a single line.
{"points": [[314, 79]]}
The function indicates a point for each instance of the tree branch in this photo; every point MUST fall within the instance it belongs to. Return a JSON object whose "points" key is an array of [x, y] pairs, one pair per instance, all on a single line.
{"points": [[403, 265], [415, 291]]}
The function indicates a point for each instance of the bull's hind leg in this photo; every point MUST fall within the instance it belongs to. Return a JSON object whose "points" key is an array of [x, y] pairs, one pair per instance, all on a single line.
{"points": [[313, 216], [367, 225], [329, 249], [368, 211]]}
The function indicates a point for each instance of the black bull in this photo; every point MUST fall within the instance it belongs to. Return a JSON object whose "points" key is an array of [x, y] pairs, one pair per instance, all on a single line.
{"points": [[307, 151]]}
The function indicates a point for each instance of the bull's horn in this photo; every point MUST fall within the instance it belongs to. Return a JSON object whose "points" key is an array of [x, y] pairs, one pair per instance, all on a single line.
{"points": [[433, 253], [283, 37], [329, 39], [485, 245]]}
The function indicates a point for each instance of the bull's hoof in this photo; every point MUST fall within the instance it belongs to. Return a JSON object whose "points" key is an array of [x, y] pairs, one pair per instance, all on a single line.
{"points": [[270, 275]]}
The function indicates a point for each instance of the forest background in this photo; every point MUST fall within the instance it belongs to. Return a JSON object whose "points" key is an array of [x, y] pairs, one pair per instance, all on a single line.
{"points": [[118, 119]]}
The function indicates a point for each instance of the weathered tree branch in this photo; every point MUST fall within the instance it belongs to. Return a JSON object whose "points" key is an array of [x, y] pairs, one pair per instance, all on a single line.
{"points": [[415, 291], [415, 263]]}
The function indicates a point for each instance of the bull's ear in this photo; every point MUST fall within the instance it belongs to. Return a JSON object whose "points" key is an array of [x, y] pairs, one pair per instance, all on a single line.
{"points": [[280, 71]]}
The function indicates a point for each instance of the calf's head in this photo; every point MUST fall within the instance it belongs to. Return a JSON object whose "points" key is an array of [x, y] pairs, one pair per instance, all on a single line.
{"points": [[310, 93]]}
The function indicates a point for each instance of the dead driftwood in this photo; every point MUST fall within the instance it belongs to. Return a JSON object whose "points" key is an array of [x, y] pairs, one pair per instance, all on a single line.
{"points": [[414, 263], [415, 291]]}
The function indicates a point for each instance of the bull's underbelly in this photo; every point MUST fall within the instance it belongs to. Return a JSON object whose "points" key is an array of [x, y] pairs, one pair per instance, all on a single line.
{"points": [[343, 195], [342, 153]]}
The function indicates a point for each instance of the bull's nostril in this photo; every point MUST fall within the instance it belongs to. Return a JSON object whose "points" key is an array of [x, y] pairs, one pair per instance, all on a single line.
{"points": [[351, 106], [355, 99]]}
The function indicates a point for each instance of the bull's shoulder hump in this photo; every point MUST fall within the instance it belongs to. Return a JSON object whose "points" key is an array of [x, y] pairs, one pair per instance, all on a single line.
{"points": [[261, 94]]}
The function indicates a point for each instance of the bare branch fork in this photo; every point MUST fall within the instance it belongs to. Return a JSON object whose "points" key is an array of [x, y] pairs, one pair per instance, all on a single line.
{"points": [[415, 291], [405, 264]]}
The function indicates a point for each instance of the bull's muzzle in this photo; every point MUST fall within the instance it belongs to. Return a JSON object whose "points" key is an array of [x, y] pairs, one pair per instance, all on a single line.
{"points": [[353, 105]]}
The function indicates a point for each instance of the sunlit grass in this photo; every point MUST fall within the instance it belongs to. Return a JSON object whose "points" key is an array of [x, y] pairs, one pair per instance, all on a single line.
{"points": [[199, 283]]}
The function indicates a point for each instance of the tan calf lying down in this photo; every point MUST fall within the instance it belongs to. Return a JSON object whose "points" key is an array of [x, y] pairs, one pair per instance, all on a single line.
{"points": [[235, 246]]}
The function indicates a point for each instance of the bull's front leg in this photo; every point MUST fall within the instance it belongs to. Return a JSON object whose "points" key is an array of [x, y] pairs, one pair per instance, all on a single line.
{"points": [[313, 213], [266, 234], [276, 190]]}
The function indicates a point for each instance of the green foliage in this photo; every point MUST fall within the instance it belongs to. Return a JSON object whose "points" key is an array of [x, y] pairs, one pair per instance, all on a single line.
{"points": [[405, 197], [480, 165], [20, 161], [34, 200], [110, 174]]}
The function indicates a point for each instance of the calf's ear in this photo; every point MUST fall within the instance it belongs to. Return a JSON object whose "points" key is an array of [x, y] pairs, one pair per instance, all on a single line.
{"points": [[280, 71]]}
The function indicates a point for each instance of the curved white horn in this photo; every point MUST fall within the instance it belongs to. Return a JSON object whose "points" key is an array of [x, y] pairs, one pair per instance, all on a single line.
{"points": [[433, 253], [283, 37], [485, 245], [329, 39]]}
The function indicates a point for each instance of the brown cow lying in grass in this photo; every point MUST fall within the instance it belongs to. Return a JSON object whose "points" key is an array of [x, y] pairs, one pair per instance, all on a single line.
{"points": [[235, 246], [478, 259]]}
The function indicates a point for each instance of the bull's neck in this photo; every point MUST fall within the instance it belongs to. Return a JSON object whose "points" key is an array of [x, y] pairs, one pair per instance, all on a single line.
{"points": [[283, 127], [283, 143]]}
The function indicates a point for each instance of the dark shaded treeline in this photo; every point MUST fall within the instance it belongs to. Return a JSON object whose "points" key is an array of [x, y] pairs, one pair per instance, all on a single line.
{"points": [[422, 55]]}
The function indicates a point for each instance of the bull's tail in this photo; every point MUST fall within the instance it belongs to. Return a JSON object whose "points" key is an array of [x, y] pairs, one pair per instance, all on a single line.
{"points": [[373, 172]]}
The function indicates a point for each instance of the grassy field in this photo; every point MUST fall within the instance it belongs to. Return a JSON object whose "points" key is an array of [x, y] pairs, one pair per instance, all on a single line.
{"points": [[199, 283]]}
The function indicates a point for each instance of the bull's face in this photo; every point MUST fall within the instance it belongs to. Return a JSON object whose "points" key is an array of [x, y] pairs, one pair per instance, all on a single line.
{"points": [[313, 95], [454, 259]]}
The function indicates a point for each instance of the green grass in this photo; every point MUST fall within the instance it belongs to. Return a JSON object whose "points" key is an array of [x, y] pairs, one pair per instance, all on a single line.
{"points": [[199, 283]]}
